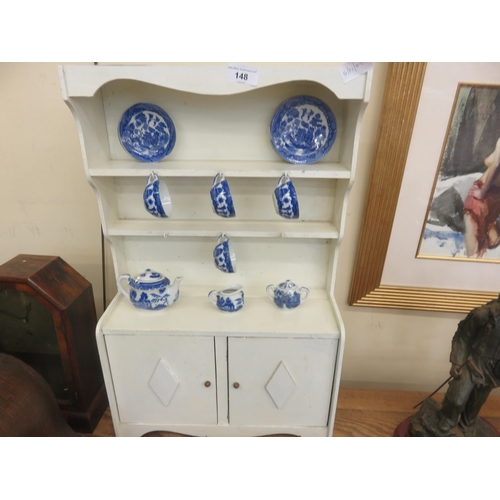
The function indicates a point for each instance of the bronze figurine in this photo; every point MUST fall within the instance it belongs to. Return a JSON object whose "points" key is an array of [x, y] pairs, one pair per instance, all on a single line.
{"points": [[475, 371]]}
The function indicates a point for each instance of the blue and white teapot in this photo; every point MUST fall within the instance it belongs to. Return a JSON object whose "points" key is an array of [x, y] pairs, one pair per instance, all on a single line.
{"points": [[150, 290], [287, 295]]}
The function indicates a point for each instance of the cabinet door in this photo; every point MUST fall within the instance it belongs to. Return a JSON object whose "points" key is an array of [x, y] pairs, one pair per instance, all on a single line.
{"points": [[163, 379], [280, 381]]}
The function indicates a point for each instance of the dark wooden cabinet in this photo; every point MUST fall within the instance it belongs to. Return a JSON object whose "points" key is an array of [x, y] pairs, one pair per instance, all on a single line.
{"points": [[48, 320]]}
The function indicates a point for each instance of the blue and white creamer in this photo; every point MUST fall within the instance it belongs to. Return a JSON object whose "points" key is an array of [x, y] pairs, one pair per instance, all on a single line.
{"points": [[230, 299]]}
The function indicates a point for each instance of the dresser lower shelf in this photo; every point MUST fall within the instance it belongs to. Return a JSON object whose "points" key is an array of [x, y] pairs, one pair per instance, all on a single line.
{"points": [[194, 313]]}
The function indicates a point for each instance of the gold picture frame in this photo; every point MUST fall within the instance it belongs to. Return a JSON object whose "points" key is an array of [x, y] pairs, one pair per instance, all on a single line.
{"points": [[399, 109]]}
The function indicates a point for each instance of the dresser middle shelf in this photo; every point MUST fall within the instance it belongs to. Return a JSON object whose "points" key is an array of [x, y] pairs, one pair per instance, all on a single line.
{"points": [[209, 168], [213, 228]]}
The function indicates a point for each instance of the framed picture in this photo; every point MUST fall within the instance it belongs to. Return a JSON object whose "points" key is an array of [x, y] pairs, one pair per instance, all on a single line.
{"points": [[462, 218], [419, 248]]}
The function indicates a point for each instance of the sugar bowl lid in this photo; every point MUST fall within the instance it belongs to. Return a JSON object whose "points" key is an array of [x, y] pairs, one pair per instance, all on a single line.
{"points": [[287, 286]]}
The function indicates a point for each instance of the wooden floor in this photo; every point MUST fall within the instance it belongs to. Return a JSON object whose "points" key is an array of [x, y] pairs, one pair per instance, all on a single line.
{"points": [[362, 412]]}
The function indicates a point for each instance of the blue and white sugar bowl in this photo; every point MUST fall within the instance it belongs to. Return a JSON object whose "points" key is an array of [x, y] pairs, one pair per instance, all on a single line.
{"points": [[285, 198], [150, 290], [287, 295]]}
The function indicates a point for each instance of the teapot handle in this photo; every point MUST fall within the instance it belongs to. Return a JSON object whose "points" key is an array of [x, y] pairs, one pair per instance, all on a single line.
{"points": [[302, 290], [120, 286], [267, 291]]}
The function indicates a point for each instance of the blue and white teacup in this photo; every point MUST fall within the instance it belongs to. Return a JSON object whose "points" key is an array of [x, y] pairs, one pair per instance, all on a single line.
{"points": [[222, 201], [156, 197], [230, 299], [224, 256], [285, 198]]}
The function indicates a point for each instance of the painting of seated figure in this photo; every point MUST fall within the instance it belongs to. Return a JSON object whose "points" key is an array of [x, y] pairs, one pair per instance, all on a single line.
{"points": [[463, 218]]}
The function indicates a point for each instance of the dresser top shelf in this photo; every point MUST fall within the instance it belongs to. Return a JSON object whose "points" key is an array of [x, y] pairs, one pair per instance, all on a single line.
{"points": [[207, 79]]}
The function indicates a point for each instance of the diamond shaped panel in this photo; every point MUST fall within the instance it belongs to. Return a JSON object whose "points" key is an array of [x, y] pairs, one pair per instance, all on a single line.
{"points": [[163, 382], [281, 386]]}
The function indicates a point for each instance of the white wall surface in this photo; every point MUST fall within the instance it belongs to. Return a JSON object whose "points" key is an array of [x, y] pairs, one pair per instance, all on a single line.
{"points": [[48, 208], [46, 204]]}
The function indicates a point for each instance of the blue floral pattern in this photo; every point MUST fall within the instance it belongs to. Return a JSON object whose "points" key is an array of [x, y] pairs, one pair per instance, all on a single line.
{"points": [[147, 132], [150, 290], [288, 300], [149, 300], [222, 201], [230, 299], [228, 304], [303, 129], [285, 196], [222, 255], [152, 198], [287, 295]]}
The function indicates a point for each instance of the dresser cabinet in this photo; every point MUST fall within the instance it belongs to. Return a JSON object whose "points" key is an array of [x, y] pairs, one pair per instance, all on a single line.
{"points": [[177, 380], [191, 368]]}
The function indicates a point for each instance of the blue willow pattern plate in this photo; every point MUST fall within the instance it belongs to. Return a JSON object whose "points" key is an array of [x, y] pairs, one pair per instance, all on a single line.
{"points": [[147, 132], [303, 129]]}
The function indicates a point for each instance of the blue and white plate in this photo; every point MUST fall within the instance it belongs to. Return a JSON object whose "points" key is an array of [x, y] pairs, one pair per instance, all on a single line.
{"points": [[147, 132], [303, 129]]}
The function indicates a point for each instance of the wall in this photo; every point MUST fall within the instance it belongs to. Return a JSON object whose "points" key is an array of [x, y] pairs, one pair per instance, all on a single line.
{"points": [[46, 203], [48, 208]]}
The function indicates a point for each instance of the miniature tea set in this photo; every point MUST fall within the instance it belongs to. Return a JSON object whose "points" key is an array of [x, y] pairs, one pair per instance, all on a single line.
{"points": [[302, 130], [152, 291]]}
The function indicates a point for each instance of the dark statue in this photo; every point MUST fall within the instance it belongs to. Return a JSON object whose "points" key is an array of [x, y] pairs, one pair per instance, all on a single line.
{"points": [[475, 371]]}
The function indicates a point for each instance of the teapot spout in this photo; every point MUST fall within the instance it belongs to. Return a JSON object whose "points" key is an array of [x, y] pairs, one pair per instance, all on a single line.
{"points": [[174, 288]]}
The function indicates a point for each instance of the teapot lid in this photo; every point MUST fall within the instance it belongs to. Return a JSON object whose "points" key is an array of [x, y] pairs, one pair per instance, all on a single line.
{"points": [[287, 285], [149, 276]]}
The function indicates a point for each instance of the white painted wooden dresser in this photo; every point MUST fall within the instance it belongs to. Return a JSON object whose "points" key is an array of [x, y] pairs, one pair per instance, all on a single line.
{"points": [[191, 368]]}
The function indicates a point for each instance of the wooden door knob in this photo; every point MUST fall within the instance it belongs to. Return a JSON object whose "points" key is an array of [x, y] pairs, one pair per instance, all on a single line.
{"points": [[208, 383], [236, 385]]}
